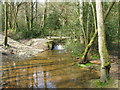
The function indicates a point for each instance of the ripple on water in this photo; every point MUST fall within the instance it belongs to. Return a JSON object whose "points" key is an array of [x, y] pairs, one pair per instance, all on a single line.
{"points": [[49, 69]]}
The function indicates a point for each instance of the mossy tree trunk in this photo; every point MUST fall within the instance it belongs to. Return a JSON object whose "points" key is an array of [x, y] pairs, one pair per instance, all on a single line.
{"points": [[84, 57], [104, 57], [6, 23]]}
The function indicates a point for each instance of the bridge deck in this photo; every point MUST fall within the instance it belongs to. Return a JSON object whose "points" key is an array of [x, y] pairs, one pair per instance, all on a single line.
{"points": [[54, 37]]}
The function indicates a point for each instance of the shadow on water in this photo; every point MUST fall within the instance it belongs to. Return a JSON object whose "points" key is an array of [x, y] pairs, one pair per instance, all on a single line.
{"points": [[50, 69]]}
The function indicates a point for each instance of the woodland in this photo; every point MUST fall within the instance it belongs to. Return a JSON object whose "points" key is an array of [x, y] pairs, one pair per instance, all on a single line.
{"points": [[92, 28]]}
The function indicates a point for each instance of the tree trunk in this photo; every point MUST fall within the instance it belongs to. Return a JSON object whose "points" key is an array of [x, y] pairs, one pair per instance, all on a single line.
{"points": [[82, 32], [104, 57], [87, 23], [84, 57], [6, 24], [44, 17], [31, 15], [119, 30], [10, 15], [36, 10], [15, 16], [108, 11], [27, 17], [1, 16], [16, 9]]}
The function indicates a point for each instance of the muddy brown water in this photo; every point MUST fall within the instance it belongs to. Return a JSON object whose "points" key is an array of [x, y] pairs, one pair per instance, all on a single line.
{"points": [[50, 69]]}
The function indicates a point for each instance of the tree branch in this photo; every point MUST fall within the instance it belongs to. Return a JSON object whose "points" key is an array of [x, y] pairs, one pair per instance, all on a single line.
{"points": [[108, 11]]}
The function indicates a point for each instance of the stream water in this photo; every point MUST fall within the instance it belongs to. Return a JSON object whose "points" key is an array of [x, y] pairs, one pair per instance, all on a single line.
{"points": [[50, 69]]}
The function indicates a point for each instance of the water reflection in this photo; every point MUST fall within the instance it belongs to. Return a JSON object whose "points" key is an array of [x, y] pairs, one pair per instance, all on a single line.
{"points": [[40, 80], [49, 69]]}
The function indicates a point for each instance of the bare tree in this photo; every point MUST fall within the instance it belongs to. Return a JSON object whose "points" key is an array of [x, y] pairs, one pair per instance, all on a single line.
{"points": [[6, 23], [119, 30], [27, 16], [13, 12], [44, 17], [36, 10], [82, 31], [104, 57], [31, 15]]}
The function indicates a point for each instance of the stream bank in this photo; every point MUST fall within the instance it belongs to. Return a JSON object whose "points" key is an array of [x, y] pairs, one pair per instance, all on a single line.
{"points": [[23, 49]]}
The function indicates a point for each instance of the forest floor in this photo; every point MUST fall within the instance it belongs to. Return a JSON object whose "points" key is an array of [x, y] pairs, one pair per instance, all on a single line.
{"points": [[114, 71], [115, 61]]}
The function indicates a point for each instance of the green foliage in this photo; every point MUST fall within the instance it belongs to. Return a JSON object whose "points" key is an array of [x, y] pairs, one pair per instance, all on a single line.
{"points": [[62, 19], [75, 47], [110, 84], [95, 83], [85, 65], [53, 21], [82, 65], [23, 33], [111, 26], [12, 33], [95, 56]]}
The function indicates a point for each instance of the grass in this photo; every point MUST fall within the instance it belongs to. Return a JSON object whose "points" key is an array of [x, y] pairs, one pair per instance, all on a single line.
{"points": [[112, 83], [95, 56]]}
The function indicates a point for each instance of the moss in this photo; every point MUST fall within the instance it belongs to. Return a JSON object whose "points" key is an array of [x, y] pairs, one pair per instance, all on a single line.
{"points": [[107, 64], [87, 65], [112, 83], [82, 65], [95, 56], [84, 57]]}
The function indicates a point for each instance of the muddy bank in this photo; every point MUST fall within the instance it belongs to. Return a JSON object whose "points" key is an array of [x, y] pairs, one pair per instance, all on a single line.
{"points": [[23, 49]]}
